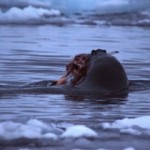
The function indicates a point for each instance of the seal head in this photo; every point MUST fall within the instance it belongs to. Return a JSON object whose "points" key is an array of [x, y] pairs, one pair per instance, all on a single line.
{"points": [[105, 74]]}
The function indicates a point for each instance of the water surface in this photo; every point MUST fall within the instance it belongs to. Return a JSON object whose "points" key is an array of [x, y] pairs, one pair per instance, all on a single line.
{"points": [[36, 53]]}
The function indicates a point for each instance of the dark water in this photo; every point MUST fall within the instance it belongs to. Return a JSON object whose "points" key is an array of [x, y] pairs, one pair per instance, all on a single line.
{"points": [[31, 54]]}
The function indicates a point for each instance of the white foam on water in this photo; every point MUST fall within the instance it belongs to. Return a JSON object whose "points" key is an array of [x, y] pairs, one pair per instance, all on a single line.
{"points": [[79, 131], [135, 126]]}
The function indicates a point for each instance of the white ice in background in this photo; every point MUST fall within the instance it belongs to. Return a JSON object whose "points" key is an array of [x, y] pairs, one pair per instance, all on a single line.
{"points": [[25, 3], [112, 6], [37, 129], [26, 15], [102, 6], [77, 131], [121, 6], [114, 2], [24, 149], [131, 125], [41, 11]]}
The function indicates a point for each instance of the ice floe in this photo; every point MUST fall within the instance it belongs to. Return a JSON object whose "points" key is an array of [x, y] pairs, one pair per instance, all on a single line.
{"points": [[36, 129], [79, 131], [136, 126], [32, 129], [28, 15]]}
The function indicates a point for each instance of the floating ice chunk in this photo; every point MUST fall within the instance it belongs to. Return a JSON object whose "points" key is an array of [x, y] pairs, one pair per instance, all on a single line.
{"points": [[128, 125], [50, 136], [37, 123], [8, 129], [32, 129], [131, 131], [12, 130], [24, 149], [129, 148], [103, 149], [37, 129], [79, 131], [28, 131], [142, 122]]}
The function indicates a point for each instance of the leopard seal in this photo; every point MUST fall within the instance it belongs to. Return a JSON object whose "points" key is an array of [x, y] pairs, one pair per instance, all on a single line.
{"points": [[104, 76]]}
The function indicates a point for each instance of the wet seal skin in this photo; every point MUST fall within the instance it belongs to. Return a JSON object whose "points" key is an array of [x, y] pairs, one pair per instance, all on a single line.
{"points": [[106, 75]]}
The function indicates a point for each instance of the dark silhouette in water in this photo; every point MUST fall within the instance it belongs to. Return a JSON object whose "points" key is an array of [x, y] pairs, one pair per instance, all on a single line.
{"points": [[105, 76]]}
